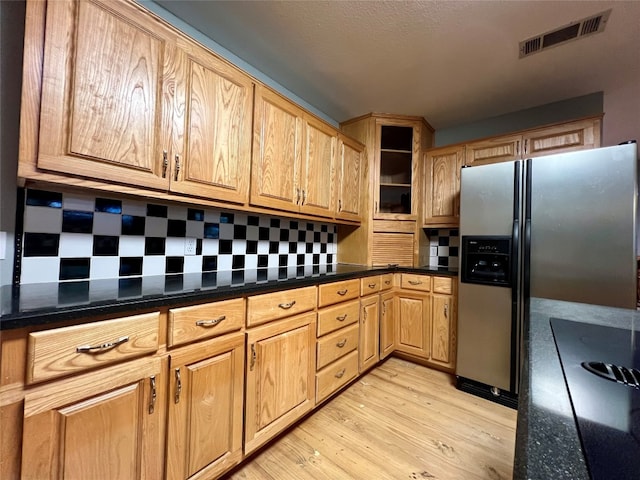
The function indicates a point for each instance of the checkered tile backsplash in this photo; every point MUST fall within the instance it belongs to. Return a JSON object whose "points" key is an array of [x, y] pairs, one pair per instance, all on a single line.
{"points": [[70, 236], [444, 245]]}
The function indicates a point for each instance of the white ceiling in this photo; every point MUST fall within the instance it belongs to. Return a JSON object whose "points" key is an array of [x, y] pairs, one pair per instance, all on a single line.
{"points": [[453, 62]]}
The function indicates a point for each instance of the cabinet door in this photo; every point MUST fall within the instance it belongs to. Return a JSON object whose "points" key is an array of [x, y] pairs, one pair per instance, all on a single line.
{"points": [[107, 76], [213, 138], [102, 425], [369, 328], [204, 437], [350, 164], [317, 173], [277, 144], [567, 137], [414, 324], [280, 377], [443, 330], [442, 186], [494, 150], [387, 324]]}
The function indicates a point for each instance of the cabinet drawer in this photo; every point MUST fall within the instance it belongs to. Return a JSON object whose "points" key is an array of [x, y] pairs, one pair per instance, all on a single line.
{"points": [[416, 282], [443, 285], [335, 375], [271, 306], [333, 318], [336, 345], [196, 322], [331, 293], [369, 285], [62, 351], [386, 281]]}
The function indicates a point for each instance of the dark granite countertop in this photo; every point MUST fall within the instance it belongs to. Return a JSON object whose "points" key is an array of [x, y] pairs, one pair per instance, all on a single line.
{"points": [[547, 441], [45, 303]]}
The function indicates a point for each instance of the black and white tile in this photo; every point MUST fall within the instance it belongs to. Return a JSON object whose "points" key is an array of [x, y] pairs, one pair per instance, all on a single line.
{"points": [[74, 237], [444, 246]]}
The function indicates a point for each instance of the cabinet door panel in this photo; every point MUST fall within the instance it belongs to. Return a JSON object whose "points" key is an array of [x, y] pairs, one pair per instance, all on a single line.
{"points": [[369, 328], [414, 324], [567, 137], [494, 150], [442, 189], [103, 78], [217, 151], [387, 324], [276, 152], [350, 164], [318, 169]]}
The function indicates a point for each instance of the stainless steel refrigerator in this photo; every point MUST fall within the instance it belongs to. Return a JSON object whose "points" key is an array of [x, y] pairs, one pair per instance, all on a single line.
{"points": [[561, 227]]}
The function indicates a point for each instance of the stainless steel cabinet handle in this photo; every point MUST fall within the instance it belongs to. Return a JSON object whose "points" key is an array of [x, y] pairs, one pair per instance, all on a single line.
{"points": [[253, 357], [152, 401], [178, 385], [287, 306], [341, 318], [177, 166], [210, 323], [342, 293], [415, 282], [165, 163], [102, 347], [340, 373], [342, 343]]}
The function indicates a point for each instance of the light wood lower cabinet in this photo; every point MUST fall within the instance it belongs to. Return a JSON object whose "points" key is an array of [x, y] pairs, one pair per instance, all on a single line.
{"points": [[280, 376], [103, 425], [369, 328], [388, 318], [205, 408], [414, 323], [443, 334]]}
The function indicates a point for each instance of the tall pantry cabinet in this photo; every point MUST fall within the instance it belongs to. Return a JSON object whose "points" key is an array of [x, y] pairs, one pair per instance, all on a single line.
{"points": [[391, 231]]}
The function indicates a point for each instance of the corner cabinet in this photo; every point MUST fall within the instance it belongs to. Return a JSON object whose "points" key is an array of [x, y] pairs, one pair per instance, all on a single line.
{"points": [[129, 101], [294, 155]]}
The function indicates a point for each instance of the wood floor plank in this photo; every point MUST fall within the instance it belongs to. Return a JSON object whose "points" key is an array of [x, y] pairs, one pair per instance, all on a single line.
{"points": [[399, 421]]}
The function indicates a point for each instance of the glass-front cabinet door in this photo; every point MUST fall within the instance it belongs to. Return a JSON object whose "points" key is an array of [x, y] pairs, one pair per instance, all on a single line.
{"points": [[395, 170]]}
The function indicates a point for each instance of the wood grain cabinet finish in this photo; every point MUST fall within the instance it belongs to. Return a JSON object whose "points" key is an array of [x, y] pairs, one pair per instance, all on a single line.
{"points": [[336, 375], [414, 324], [443, 330], [494, 150], [63, 351], [411, 281], [566, 137], [370, 285], [205, 408], [99, 426], [338, 316], [386, 281], [280, 377], [369, 331], [272, 306], [350, 167], [442, 186], [336, 345], [198, 322], [388, 319], [330, 293]]}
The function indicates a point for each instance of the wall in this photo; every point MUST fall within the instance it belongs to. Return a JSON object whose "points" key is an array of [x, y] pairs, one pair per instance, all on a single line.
{"points": [[564, 110], [11, 35], [72, 236]]}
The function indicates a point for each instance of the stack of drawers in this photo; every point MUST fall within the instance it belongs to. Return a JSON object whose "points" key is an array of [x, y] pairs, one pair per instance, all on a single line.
{"points": [[337, 336]]}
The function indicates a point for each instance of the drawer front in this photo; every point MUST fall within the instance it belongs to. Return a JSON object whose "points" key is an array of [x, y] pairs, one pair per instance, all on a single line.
{"points": [[196, 322], [386, 281], [334, 318], [271, 306], [336, 345], [335, 375], [369, 285], [331, 293], [63, 351], [443, 285], [416, 282]]}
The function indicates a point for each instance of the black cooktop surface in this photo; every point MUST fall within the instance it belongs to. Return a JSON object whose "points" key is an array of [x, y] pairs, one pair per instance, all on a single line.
{"points": [[601, 367]]}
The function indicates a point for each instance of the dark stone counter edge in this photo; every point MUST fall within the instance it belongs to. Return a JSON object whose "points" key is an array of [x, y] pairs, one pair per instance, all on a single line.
{"points": [[58, 313]]}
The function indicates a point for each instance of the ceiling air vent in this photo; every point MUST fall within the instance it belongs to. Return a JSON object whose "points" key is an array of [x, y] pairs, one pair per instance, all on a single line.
{"points": [[573, 31]]}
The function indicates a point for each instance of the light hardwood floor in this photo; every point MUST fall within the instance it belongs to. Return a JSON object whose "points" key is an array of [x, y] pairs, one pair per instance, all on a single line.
{"points": [[399, 421]]}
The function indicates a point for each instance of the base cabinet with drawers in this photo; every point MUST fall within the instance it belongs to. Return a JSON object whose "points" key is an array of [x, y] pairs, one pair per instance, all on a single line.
{"points": [[188, 392]]}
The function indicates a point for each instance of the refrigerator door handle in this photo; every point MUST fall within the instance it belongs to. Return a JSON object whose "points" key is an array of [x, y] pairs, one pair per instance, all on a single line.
{"points": [[515, 281]]}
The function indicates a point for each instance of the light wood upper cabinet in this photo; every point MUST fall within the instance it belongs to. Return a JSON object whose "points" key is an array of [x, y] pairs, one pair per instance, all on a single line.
{"points": [[212, 153], [317, 173], [566, 137], [204, 437], [106, 99], [442, 186], [494, 150], [98, 425], [349, 179], [277, 151], [369, 331], [280, 376]]}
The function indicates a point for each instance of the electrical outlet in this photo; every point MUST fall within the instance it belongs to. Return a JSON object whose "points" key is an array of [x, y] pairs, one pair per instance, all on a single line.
{"points": [[433, 251], [189, 246]]}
